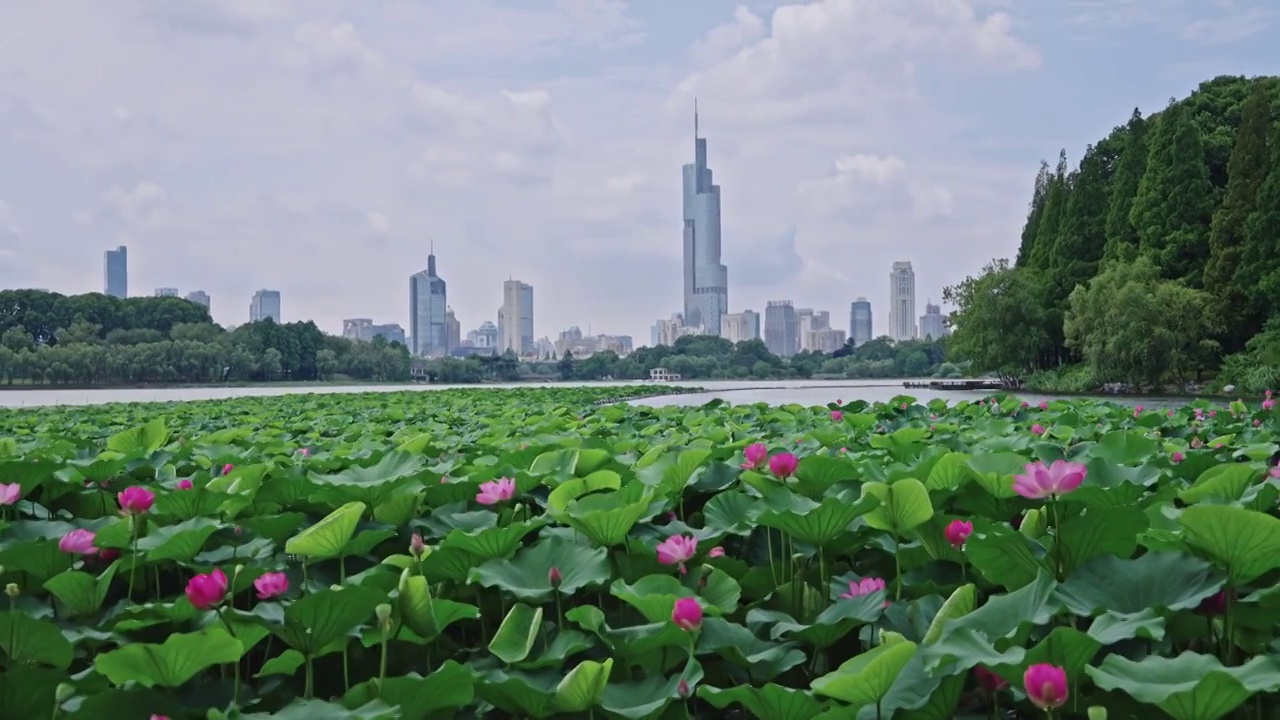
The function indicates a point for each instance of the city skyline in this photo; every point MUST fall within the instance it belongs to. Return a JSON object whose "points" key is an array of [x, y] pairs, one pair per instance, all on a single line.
{"points": [[543, 139]]}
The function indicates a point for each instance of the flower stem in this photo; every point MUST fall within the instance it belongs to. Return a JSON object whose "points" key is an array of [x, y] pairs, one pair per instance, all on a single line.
{"points": [[235, 696], [309, 689], [1057, 540], [897, 569], [133, 557]]}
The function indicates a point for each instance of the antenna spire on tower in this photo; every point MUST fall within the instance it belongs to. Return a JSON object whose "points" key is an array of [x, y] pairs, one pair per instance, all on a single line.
{"points": [[695, 118]]}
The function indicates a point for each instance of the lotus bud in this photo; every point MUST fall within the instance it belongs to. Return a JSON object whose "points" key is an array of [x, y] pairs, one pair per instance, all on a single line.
{"points": [[64, 692], [12, 590], [404, 580], [682, 689], [554, 577], [416, 546], [383, 613], [1097, 712]]}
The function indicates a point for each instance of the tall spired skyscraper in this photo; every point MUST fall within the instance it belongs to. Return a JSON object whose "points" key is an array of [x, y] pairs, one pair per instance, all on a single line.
{"points": [[428, 305], [706, 280]]}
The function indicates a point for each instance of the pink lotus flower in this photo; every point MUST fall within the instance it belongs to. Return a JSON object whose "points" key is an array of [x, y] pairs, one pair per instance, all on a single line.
{"points": [[1046, 686], [496, 491], [416, 546], [755, 454], [677, 550], [1268, 404], [554, 578], [184, 484], [1275, 472], [1137, 411], [905, 406], [867, 586], [1025, 404], [1257, 422], [716, 552], [271, 584], [1041, 481], [10, 494], [988, 680], [841, 402], [783, 465], [1177, 457], [136, 500], [1196, 443], [957, 532], [687, 614], [304, 452], [226, 469], [1037, 429], [837, 416], [682, 689], [205, 591], [78, 542], [1213, 413], [1044, 404]]}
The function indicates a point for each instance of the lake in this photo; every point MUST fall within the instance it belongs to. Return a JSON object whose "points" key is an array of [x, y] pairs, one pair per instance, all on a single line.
{"points": [[777, 392]]}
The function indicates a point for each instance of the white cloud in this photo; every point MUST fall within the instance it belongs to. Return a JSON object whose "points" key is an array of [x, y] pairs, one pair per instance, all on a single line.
{"points": [[725, 40]]}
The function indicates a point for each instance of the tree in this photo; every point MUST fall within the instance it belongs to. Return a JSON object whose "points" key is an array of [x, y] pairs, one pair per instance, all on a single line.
{"points": [[1034, 212], [566, 365], [998, 323], [326, 363], [1175, 200], [1224, 277], [1050, 222], [1122, 236], [1260, 267], [1083, 236]]}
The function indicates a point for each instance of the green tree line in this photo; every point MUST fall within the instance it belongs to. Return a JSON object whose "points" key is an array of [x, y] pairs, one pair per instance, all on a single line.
{"points": [[94, 339], [697, 357], [1155, 260]]}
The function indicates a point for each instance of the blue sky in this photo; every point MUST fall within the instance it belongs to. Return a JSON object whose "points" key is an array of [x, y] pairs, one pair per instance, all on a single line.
{"points": [[318, 146]]}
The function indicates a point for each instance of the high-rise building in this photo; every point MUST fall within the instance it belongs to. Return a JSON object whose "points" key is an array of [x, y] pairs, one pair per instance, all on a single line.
{"points": [[706, 279], [739, 327], [933, 325], [115, 271], [860, 328], [199, 297], [672, 329], [265, 304], [485, 336], [365, 330], [453, 329], [515, 319], [902, 302], [781, 328], [428, 305], [166, 292]]}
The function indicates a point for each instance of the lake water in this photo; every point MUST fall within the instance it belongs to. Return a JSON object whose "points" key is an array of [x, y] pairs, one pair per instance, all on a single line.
{"points": [[777, 392]]}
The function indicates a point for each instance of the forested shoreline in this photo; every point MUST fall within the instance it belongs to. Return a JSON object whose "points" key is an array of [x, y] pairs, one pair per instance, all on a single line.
{"points": [[1154, 262]]}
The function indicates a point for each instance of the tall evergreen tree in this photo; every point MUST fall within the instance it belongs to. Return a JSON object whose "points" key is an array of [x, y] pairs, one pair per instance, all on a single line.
{"points": [[1260, 254], [1224, 278], [1083, 235], [1055, 205], [1175, 200], [1122, 238], [1034, 213]]}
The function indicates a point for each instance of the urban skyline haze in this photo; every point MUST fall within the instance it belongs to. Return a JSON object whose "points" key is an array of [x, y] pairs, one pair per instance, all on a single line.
{"points": [[316, 147]]}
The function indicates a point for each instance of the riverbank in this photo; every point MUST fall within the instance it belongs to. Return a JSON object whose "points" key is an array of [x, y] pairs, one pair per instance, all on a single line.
{"points": [[1078, 381]]}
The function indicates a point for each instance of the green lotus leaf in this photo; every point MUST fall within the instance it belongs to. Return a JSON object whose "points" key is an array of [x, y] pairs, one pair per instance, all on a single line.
{"points": [[527, 575], [1190, 686]]}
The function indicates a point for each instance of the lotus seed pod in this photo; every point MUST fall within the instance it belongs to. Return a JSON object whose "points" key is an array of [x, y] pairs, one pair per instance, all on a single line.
{"points": [[12, 590], [383, 612]]}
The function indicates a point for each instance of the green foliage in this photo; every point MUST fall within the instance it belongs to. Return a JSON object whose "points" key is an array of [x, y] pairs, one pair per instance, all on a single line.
{"points": [[1194, 191], [94, 339], [553, 603]]}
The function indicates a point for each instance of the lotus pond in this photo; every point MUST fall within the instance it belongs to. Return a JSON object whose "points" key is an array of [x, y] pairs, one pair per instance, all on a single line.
{"points": [[531, 553]]}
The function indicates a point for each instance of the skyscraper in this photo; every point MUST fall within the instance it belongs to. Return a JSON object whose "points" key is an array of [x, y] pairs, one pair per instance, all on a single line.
{"points": [[933, 324], [428, 303], [199, 297], [860, 321], [265, 304], [515, 319], [166, 292], [115, 271], [781, 328], [706, 280], [902, 302]]}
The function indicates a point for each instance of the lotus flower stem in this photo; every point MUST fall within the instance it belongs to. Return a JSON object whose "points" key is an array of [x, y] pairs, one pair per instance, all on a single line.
{"points": [[1057, 540], [897, 571], [559, 612], [133, 557], [235, 693], [309, 689]]}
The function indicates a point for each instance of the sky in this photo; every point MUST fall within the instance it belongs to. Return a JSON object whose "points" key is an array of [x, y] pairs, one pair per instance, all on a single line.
{"points": [[320, 147]]}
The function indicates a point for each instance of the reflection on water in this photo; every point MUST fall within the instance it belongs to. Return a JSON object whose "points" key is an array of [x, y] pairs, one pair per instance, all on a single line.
{"points": [[776, 392]]}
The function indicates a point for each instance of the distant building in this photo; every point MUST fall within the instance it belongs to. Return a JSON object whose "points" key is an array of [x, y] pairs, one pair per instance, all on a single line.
{"points": [[860, 321], [452, 329], [485, 336], [515, 319], [781, 328], [167, 292], [933, 325], [115, 269], [902, 302], [200, 297], [365, 330], [706, 279], [739, 327], [428, 303], [265, 304], [823, 340], [673, 329]]}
